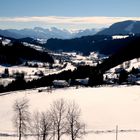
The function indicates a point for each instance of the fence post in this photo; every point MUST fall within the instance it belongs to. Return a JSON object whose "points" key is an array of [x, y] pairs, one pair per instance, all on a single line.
{"points": [[117, 132]]}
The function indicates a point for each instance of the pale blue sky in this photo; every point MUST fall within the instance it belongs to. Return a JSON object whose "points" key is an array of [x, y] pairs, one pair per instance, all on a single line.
{"points": [[10, 9]]}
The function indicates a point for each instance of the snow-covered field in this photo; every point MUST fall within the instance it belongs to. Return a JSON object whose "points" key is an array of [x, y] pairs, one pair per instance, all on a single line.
{"points": [[102, 109], [30, 72]]}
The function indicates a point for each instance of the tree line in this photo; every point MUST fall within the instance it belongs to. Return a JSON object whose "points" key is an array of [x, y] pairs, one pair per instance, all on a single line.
{"points": [[79, 73], [62, 118]]}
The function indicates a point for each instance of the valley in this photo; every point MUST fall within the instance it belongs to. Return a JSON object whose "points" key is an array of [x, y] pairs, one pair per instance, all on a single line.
{"points": [[98, 71]]}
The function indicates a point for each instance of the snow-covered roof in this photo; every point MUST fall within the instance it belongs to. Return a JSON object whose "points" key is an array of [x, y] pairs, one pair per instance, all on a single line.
{"points": [[60, 83]]}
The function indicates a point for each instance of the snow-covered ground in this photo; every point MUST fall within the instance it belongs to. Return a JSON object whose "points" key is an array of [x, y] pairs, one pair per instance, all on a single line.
{"points": [[6, 81], [119, 36], [39, 48], [30, 72], [128, 65], [102, 109], [5, 41], [79, 59]]}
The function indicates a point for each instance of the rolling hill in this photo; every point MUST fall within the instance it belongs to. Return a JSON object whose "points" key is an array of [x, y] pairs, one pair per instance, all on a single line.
{"points": [[16, 53], [123, 28]]}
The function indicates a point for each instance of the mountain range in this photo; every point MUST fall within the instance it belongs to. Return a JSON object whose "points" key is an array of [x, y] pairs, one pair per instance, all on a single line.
{"points": [[107, 41], [119, 28], [123, 47], [102, 42], [41, 33]]}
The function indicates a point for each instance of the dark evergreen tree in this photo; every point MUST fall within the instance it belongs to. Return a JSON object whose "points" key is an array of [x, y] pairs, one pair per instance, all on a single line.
{"points": [[6, 71], [123, 76]]}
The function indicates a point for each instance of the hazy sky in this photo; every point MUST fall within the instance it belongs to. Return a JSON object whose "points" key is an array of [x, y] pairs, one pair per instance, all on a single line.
{"points": [[70, 14]]}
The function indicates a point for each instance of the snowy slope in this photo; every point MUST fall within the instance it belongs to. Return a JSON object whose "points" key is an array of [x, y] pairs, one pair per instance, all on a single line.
{"points": [[5, 41], [102, 109], [30, 72], [128, 65], [39, 48]]}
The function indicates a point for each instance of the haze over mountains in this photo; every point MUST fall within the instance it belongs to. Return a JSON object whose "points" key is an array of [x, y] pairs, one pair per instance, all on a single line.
{"points": [[123, 28], [119, 28], [106, 42], [43, 33], [103, 41]]}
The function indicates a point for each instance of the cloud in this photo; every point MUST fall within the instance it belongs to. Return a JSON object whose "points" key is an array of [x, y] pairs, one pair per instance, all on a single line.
{"points": [[68, 20]]}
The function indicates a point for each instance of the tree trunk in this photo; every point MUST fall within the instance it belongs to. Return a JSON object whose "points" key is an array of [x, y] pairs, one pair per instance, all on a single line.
{"points": [[58, 134], [20, 127], [72, 135], [20, 136], [44, 136]]}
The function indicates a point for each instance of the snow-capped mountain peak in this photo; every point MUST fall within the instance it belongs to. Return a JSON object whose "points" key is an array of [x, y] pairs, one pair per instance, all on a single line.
{"points": [[46, 33]]}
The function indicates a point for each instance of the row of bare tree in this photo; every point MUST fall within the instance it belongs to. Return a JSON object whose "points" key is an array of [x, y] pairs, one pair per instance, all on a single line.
{"points": [[62, 118]]}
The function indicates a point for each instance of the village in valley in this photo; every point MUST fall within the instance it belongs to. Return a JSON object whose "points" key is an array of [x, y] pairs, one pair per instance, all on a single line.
{"points": [[69, 70]]}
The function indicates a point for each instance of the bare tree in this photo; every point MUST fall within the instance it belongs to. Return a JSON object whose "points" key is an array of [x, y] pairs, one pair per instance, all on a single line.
{"points": [[45, 125], [42, 125], [35, 127], [21, 116], [58, 116], [75, 128]]}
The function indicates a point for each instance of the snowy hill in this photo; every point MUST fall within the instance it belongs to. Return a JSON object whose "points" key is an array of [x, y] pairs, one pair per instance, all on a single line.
{"points": [[132, 67], [14, 52], [102, 109], [128, 65]]}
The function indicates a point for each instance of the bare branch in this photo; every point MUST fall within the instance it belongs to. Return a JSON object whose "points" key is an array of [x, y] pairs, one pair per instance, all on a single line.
{"points": [[75, 128], [21, 117], [58, 116]]}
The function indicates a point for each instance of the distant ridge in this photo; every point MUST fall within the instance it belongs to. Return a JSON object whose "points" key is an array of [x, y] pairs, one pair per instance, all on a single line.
{"points": [[124, 27], [42, 33], [15, 52]]}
